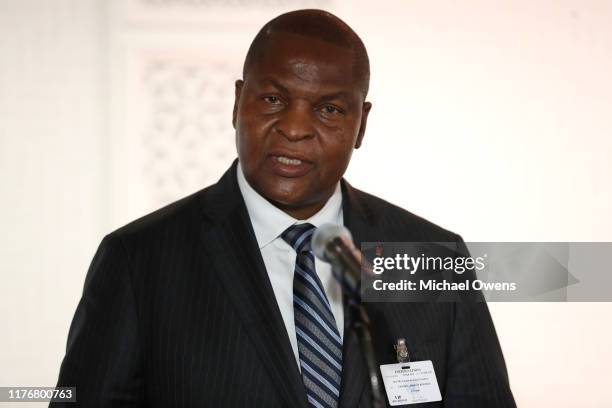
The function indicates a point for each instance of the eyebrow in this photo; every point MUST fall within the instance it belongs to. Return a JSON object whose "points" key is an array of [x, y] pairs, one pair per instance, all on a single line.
{"points": [[336, 95], [275, 84]]}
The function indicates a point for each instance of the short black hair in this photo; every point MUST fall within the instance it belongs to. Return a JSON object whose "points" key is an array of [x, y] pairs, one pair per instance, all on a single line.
{"points": [[317, 24]]}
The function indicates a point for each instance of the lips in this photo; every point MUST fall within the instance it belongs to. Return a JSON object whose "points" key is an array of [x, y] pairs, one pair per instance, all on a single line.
{"points": [[288, 164]]}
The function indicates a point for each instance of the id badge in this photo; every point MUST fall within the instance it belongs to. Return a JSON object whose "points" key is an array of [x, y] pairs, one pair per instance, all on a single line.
{"points": [[410, 383]]}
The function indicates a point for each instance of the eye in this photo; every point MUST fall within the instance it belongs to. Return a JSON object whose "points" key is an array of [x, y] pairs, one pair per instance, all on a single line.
{"points": [[331, 110], [271, 99]]}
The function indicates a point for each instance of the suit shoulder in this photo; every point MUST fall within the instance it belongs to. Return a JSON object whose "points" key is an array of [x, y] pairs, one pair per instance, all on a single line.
{"points": [[176, 216], [403, 225]]}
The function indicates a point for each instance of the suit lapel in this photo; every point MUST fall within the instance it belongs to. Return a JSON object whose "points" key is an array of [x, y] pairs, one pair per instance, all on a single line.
{"points": [[237, 261], [359, 220], [230, 243]]}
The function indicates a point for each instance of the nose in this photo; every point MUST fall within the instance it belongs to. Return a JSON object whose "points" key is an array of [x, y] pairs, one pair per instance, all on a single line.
{"points": [[296, 123]]}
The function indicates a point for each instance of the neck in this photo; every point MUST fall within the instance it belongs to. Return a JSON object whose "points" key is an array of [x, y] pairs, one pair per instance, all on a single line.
{"points": [[302, 212]]}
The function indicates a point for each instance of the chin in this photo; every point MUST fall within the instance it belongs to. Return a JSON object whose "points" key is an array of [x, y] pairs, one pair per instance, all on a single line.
{"points": [[284, 198], [284, 191]]}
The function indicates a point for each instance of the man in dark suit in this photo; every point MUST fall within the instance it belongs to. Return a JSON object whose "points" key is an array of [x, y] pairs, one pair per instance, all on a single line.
{"points": [[216, 300]]}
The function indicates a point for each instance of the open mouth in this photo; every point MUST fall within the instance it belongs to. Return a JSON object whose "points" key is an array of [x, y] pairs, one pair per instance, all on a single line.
{"points": [[287, 166], [288, 161]]}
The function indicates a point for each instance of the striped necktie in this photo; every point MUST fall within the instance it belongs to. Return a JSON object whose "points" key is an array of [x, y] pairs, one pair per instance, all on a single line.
{"points": [[318, 339]]}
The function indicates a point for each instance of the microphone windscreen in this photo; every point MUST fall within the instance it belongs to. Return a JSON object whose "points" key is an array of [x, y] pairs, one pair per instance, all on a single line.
{"points": [[324, 235]]}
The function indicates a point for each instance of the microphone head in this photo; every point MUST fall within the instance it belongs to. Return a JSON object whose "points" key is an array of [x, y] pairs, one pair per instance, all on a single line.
{"points": [[325, 234]]}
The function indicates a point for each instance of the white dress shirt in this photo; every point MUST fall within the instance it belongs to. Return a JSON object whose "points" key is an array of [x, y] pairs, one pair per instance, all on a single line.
{"points": [[279, 257]]}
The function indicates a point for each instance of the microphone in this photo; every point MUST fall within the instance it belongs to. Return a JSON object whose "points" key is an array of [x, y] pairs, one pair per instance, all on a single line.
{"points": [[333, 244]]}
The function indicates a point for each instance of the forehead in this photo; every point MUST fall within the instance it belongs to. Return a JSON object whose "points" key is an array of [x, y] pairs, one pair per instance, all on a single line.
{"points": [[305, 62]]}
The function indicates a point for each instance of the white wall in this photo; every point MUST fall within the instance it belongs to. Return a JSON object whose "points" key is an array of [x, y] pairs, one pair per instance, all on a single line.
{"points": [[53, 151], [503, 109]]}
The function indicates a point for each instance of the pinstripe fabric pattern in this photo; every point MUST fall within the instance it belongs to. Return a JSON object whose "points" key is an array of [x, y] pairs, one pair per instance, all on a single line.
{"points": [[177, 311], [318, 338]]}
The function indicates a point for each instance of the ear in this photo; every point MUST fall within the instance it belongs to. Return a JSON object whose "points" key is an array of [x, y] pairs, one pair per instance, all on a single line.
{"points": [[238, 89], [364, 120]]}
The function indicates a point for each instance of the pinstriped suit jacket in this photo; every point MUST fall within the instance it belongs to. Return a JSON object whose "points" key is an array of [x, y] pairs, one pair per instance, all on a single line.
{"points": [[178, 311]]}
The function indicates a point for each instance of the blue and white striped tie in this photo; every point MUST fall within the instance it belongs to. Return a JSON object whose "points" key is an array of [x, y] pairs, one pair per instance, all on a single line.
{"points": [[318, 339]]}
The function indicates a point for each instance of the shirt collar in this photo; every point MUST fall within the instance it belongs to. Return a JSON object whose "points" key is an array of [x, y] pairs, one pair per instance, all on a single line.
{"points": [[269, 222]]}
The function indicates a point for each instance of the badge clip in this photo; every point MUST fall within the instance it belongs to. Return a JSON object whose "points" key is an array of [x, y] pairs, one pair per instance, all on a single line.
{"points": [[401, 351]]}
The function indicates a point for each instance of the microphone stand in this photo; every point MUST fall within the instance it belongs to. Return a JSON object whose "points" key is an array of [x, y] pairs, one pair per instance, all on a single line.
{"points": [[360, 323]]}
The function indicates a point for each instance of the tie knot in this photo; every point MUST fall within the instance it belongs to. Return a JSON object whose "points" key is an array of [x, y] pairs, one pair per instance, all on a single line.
{"points": [[299, 236]]}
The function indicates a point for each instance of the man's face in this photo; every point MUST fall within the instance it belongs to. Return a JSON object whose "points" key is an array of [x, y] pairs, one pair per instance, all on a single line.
{"points": [[298, 115]]}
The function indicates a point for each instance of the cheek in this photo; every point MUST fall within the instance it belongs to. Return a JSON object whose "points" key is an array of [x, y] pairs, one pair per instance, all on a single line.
{"points": [[334, 164], [251, 118], [252, 141], [337, 151], [339, 141], [249, 133]]}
